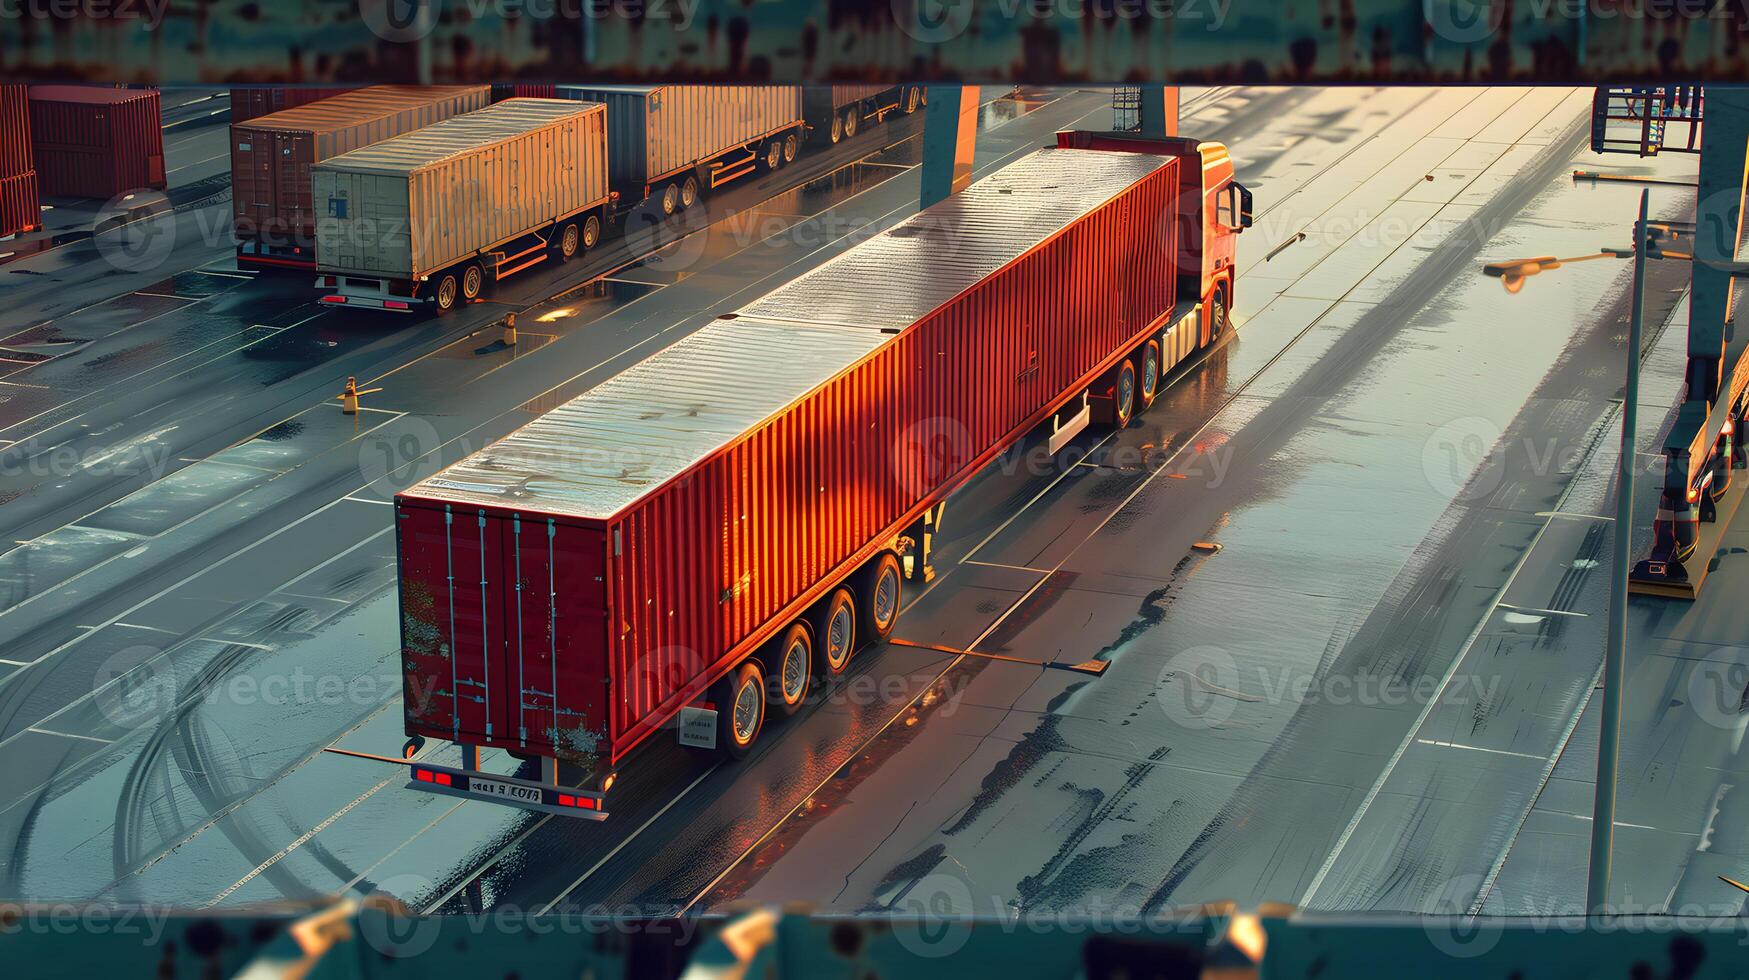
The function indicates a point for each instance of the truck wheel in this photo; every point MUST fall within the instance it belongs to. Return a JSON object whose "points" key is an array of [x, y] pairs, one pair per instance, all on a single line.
{"points": [[773, 155], [837, 634], [448, 292], [1221, 320], [851, 120], [837, 130], [1150, 388], [689, 192], [881, 595], [570, 242], [1123, 395], [740, 701], [792, 670], [591, 232], [670, 199], [412, 747], [473, 281], [790, 147], [911, 100]]}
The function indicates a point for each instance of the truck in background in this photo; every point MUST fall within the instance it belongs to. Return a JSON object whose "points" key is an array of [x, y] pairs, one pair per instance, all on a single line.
{"points": [[272, 155], [700, 540], [445, 212], [839, 112]]}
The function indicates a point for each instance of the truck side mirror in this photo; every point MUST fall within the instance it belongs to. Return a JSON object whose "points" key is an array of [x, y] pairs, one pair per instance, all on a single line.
{"points": [[1244, 205]]}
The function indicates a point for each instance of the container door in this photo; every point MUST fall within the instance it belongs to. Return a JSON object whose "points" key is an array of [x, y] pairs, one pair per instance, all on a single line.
{"points": [[451, 620], [557, 622]]}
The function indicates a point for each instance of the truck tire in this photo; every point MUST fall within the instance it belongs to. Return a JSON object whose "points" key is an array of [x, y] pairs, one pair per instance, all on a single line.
{"points": [[792, 669], [448, 294], [851, 120], [773, 155], [591, 232], [569, 243], [670, 200], [473, 281], [1123, 395], [912, 99], [689, 193], [791, 146], [837, 130], [1149, 388], [740, 703], [837, 636], [881, 595], [1221, 318]]}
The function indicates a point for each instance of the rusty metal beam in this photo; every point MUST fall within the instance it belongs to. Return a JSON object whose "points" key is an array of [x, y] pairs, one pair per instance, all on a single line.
{"points": [[1037, 41]]}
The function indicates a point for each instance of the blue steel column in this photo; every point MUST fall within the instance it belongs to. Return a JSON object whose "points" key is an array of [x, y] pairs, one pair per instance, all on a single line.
{"points": [[950, 134], [1159, 110]]}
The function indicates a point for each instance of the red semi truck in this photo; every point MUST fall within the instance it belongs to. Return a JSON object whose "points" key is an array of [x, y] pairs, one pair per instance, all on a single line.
{"points": [[697, 542]]}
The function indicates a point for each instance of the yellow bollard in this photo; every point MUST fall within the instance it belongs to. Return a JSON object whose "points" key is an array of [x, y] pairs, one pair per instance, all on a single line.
{"points": [[510, 330], [349, 397]]}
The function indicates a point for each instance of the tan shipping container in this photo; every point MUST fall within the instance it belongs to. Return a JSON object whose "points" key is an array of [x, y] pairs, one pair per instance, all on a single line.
{"points": [[413, 205], [271, 155], [656, 131]]}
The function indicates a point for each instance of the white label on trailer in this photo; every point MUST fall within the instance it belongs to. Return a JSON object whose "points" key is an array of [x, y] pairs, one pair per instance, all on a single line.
{"points": [[698, 728], [508, 791]]}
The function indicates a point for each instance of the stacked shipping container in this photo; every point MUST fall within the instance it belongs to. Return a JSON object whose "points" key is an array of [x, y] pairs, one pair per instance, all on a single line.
{"points": [[19, 209], [90, 141], [253, 102], [271, 156]]}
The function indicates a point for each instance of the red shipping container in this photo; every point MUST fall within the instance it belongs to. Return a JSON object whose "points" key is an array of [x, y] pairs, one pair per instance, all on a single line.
{"points": [[260, 100], [523, 90], [19, 209], [90, 141], [15, 156], [566, 590]]}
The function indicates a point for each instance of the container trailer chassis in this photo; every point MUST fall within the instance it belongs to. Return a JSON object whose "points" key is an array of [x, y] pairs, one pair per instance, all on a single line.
{"points": [[858, 602], [842, 122], [681, 188]]}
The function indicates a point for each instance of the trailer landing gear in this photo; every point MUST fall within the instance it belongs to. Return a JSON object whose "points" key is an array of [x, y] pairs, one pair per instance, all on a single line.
{"points": [[919, 560]]}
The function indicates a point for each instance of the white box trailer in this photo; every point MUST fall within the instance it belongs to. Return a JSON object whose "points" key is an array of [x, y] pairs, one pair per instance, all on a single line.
{"points": [[439, 214], [672, 142]]}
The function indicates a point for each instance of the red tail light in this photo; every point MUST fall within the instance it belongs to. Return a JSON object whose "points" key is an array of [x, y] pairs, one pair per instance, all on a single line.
{"points": [[335, 298], [395, 304]]}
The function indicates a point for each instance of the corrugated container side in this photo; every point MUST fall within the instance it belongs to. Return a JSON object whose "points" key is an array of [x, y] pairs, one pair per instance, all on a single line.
{"points": [[271, 156], [655, 132], [524, 90], [15, 158], [20, 211], [815, 486], [88, 141], [405, 218], [252, 102]]}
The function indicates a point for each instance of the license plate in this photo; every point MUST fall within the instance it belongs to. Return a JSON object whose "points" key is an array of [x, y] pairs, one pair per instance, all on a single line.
{"points": [[508, 791]]}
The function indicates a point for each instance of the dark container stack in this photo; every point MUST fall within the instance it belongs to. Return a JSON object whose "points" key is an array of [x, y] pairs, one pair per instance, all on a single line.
{"points": [[260, 100], [19, 210], [92, 141]]}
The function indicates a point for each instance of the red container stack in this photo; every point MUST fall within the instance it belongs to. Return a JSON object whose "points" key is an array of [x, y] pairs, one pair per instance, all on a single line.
{"points": [[260, 100], [19, 210], [90, 141]]}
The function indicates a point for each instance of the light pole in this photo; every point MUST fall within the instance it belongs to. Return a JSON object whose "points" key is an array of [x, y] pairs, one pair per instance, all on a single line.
{"points": [[1512, 275]]}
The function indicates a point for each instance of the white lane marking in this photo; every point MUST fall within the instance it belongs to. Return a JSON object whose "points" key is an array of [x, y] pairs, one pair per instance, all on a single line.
{"points": [[296, 843], [1574, 517], [997, 564], [1620, 823], [82, 738], [486, 865], [1478, 748], [641, 828], [367, 500], [1545, 612]]}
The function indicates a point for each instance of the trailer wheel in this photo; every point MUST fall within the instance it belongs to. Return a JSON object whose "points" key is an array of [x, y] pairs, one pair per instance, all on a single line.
{"points": [[473, 281], [689, 192], [881, 596], [740, 701], [791, 146], [773, 155], [591, 232], [837, 130], [837, 634], [792, 669], [570, 241], [1150, 388], [911, 100], [670, 199], [1221, 319], [412, 747], [1123, 395], [851, 120], [448, 291]]}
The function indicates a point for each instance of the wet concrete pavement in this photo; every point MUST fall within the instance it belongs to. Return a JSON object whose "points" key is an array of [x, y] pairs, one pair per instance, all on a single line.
{"points": [[1359, 703]]}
